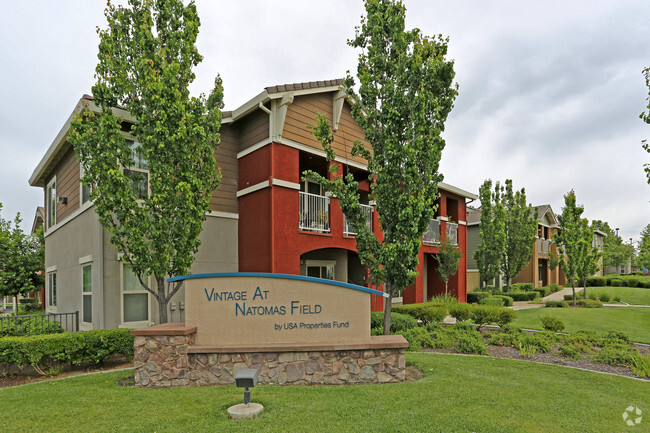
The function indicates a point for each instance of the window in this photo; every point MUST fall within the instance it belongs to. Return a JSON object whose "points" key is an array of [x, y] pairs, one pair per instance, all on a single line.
{"points": [[139, 171], [87, 293], [51, 202], [320, 269], [51, 289], [135, 299]]}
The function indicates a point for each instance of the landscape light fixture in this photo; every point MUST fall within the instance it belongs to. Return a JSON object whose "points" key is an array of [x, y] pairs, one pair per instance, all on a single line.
{"points": [[246, 378]]}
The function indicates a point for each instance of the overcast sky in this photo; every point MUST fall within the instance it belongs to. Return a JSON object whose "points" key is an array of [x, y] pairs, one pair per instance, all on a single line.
{"points": [[550, 92]]}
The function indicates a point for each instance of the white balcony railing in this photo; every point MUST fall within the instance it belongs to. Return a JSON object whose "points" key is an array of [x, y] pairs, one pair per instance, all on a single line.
{"points": [[367, 210], [314, 212], [452, 233], [540, 242], [547, 243], [432, 235]]}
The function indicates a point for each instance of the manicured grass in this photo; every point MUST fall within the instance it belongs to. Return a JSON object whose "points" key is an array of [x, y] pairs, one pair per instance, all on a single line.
{"points": [[631, 295], [457, 394], [635, 322]]}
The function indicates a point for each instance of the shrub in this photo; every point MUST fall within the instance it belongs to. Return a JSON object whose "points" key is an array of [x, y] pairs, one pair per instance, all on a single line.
{"points": [[616, 354], [616, 282], [585, 340], [463, 326], [72, 347], [485, 314], [596, 282], [441, 337], [475, 297], [492, 300], [615, 337], [569, 351], [418, 338], [641, 365], [552, 324], [646, 284], [460, 312], [617, 298], [507, 300], [589, 303], [633, 282], [543, 291], [557, 304], [426, 312], [592, 295], [505, 316], [21, 326], [521, 287], [471, 342], [526, 350], [398, 322], [446, 300], [569, 297], [522, 296], [29, 305], [604, 297], [555, 288]]}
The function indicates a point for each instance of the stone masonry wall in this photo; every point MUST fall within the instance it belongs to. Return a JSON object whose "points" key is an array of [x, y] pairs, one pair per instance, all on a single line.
{"points": [[163, 361]]}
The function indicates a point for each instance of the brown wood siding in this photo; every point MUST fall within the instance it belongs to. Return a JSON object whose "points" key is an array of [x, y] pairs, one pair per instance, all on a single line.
{"points": [[303, 111], [224, 199], [253, 129], [67, 185]]}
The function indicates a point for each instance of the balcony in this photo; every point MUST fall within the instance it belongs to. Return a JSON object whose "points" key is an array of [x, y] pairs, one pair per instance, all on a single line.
{"points": [[432, 234], [367, 210], [314, 213], [543, 245], [452, 233]]}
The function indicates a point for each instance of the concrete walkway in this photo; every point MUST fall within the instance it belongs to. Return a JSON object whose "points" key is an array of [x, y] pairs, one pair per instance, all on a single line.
{"points": [[557, 296]]}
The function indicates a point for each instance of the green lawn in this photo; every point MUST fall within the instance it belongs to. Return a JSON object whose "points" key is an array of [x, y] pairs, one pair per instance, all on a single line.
{"points": [[631, 295], [635, 322], [457, 394]]}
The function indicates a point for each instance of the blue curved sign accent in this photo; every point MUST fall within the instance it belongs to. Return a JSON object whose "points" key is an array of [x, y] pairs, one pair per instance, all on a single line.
{"points": [[286, 276]]}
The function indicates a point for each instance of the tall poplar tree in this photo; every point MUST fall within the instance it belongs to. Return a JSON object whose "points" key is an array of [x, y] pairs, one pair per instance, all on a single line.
{"points": [[146, 56], [492, 232], [645, 116], [405, 94], [589, 254], [644, 248], [571, 240], [520, 230]]}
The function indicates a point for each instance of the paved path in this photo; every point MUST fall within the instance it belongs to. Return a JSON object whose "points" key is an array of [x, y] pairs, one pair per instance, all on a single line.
{"points": [[559, 296]]}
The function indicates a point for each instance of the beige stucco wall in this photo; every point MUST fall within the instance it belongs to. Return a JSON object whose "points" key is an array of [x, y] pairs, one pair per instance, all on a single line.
{"points": [[473, 280]]}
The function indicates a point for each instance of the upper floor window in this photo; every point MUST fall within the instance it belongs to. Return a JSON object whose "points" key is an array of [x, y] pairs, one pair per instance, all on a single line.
{"points": [[139, 171], [51, 289], [50, 197]]}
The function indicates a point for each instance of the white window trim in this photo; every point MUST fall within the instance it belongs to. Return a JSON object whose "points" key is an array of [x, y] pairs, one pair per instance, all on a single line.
{"points": [[140, 323], [320, 264], [81, 187], [84, 265], [50, 204], [48, 292]]}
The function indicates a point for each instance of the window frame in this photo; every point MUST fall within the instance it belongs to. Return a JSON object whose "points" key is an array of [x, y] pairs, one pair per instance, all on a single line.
{"points": [[50, 203], [133, 145], [50, 293], [123, 293], [321, 264], [83, 187], [85, 293]]}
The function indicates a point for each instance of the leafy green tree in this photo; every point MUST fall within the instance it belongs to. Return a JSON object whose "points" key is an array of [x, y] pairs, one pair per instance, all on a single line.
{"points": [[448, 258], [520, 230], [22, 259], [589, 253], [644, 248], [405, 94], [492, 232], [154, 213], [571, 239]]}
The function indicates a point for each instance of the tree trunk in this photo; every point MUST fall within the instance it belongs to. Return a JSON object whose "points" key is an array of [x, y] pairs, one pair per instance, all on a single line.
{"points": [[573, 287], [388, 305], [584, 290], [162, 300], [446, 283]]}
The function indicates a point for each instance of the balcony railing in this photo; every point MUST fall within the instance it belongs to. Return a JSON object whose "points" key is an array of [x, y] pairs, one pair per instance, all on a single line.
{"points": [[314, 212], [367, 210], [432, 235], [452, 233], [540, 242], [547, 244]]}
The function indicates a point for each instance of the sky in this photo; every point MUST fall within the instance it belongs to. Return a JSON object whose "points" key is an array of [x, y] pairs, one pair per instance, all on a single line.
{"points": [[549, 92]]}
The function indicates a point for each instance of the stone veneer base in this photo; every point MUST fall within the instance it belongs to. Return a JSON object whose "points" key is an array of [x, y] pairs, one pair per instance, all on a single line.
{"points": [[166, 356]]}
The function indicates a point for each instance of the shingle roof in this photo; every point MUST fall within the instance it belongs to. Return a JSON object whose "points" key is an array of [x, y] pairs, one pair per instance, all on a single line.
{"points": [[303, 86], [473, 215]]}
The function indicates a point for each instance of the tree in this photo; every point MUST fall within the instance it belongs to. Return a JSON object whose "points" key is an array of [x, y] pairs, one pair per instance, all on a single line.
{"points": [[589, 254], [405, 94], [645, 116], [146, 56], [520, 230], [644, 248], [571, 240], [448, 259], [492, 232], [22, 259]]}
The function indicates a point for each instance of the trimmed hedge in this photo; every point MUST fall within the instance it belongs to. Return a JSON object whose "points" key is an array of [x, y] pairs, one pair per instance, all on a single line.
{"points": [[557, 304], [522, 296], [72, 347], [398, 322], [18, 327], [492, 300], [507, 300], [543, 291], [425, 312], [521, 287], [461, 312], [589, 303], [615, 282], [475, 297]]}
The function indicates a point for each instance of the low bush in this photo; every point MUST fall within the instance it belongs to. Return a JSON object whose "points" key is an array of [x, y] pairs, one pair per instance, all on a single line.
{"points": [[632, 282], [569, 297], [552, 324], [585, 340], [442, 338], [460, 312], [615, 282], [646, 284], [418, 338], [616, 298], [557, 304], [596, 282], [555, 288], [604, 297], [615, 337], [589, 303], [522, 296], [398, 322], [463, 326], [486, 314], [446, 300], [569, 351], [73, 347], [29, 305], [475, 297], [543, 291], [521, 287], [641, 365], [540, 341], [616, 354], [507, 300], [471, 342], [426, 312], [492, 300]]}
